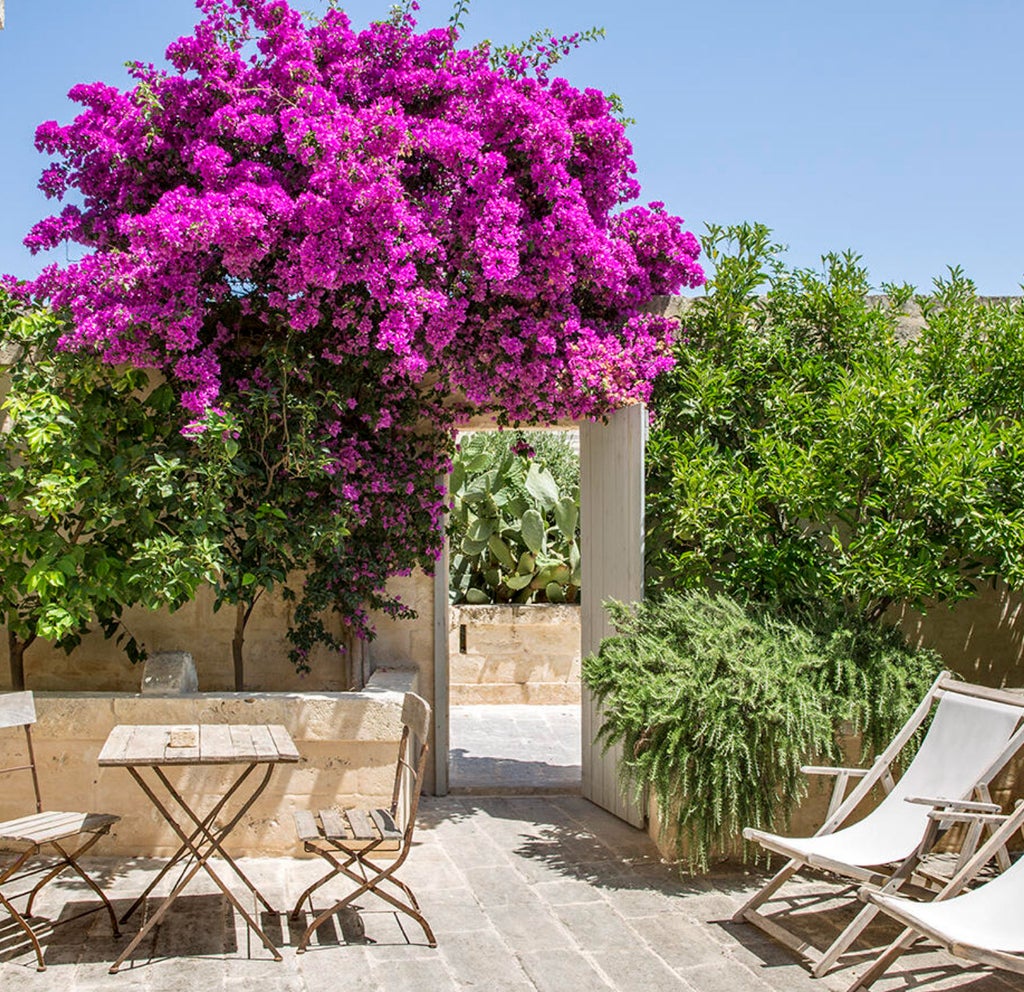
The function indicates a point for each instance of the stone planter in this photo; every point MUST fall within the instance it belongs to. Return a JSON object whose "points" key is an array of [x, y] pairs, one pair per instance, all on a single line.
{"points": [[514, 654]]}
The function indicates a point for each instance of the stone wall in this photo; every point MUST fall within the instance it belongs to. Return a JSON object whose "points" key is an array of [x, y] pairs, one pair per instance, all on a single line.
{"points": [[348, 742], [514, 654]]}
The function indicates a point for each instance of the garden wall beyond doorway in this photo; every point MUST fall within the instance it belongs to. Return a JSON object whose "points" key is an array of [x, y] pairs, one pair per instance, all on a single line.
{"points": [[514, 654]]}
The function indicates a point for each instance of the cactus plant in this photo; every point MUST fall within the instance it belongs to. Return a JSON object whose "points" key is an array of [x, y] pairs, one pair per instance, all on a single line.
{"points": [[514, 526]]}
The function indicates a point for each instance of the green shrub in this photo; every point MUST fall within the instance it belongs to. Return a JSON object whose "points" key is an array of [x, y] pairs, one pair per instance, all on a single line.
{"points": [[804, 449], [717, 705]]}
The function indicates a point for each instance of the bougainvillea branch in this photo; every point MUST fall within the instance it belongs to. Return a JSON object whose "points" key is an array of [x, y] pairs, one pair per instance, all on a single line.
{"points": [[417, 223]]}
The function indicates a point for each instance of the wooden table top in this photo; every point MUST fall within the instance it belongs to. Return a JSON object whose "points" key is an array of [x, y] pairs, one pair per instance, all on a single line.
{"points": [[197, 744]]}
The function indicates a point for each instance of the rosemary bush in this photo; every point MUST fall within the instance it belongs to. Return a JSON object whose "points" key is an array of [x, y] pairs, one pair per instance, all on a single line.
{"points": [[718, 703]]}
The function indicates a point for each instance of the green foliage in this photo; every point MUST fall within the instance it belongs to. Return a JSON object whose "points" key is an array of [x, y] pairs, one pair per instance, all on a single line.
{"points": [[283, 523], [803, 449], [100, 504], [718, 704], [514, 525]]}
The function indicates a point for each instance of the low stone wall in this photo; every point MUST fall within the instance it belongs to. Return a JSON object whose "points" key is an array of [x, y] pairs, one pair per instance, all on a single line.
{"points": [[514, 654], [348, 742]]}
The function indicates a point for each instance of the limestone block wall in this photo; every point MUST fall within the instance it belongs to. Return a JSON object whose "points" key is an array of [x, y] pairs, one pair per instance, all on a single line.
{"points": [[348, 742], [514, 654], [98, 664]]}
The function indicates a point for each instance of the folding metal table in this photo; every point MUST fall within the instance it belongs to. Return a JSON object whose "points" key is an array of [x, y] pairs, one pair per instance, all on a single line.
{"points": [[159, 747]]}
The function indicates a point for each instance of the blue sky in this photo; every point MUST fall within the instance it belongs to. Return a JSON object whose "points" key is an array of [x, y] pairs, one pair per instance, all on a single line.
{"points": [[894, 129]]}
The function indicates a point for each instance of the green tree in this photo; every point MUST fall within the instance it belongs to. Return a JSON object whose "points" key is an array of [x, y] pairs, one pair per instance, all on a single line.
{"points": [[100, 504], [804, 449], [283, 523]]}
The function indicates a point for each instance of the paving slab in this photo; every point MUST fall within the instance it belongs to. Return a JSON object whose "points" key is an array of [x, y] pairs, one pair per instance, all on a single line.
{"points": [[515, 749], [525, 894]]}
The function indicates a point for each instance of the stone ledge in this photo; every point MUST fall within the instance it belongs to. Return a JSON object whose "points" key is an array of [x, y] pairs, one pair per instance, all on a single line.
{"points": [[348, 742]]}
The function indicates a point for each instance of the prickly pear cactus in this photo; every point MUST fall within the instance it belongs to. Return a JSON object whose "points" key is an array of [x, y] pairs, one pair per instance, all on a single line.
{"points": [[514, 527]]}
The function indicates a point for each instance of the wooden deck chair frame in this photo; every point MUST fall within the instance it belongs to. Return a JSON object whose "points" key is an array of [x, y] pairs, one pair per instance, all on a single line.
{"points": [[42, 830], [842, 806], [916, 930], [347, 839]]}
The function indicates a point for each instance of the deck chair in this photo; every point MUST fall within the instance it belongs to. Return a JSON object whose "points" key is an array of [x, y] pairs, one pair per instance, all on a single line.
{"points": [[983, 925], [352, 840], [41, 830], [973, 734]]}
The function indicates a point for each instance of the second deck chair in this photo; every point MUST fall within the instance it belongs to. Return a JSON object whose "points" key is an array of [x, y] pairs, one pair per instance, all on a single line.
{"points": [[352, 841], [983, 926], [40, 830], [973, 734]]}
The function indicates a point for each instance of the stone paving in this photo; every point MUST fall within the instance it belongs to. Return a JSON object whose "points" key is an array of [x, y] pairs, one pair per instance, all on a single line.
{"points": [[526, 894], [515, 748]]}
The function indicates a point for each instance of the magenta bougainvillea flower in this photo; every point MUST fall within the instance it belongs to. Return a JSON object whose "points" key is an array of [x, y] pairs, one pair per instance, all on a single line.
{"points": [[443, 219]]}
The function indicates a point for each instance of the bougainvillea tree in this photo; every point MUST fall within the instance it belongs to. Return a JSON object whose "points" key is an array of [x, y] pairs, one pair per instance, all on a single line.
{"points": [[420, 227]]}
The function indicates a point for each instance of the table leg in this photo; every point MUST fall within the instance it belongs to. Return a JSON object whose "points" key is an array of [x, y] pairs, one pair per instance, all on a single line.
{"points": [[180, 853], [215, 839], [211, 843]]}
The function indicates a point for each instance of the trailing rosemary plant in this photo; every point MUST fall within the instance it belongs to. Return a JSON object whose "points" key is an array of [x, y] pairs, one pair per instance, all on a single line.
{"points": [[718, 704]]}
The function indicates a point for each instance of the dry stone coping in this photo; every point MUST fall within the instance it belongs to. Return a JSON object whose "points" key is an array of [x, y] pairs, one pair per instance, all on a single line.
{"points": [[368, 715], [519, 613]]}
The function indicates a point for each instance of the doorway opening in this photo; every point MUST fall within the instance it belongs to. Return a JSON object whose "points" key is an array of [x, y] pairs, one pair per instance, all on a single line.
{"points": [[513, 613]]}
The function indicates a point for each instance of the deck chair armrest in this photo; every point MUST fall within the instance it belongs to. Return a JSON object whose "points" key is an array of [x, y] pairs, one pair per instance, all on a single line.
{"points": [[966, 816], [960, 805], [831, 770]]}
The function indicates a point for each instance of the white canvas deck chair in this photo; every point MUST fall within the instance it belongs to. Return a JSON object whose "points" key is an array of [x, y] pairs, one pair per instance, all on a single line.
{"points": [[973, 734], [32, 834], [352, 841], [984, 925]]}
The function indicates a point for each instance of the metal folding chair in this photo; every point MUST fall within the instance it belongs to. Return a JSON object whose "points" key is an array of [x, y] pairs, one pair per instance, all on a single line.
{"points": [[41, 830], [352, 840]]}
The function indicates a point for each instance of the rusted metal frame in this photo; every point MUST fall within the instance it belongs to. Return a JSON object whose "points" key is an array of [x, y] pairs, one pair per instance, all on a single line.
{"points": [[32, 765], [20, 920], [369, 885], [312, 849], [396, 791], [201, 862], [184, 848], [71, 861], [214, 839]]}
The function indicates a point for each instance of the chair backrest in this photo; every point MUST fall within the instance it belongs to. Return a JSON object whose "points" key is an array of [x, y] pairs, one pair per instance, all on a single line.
{"points": [[970, 740], [968, 743], [18, 709], [412, 760]]}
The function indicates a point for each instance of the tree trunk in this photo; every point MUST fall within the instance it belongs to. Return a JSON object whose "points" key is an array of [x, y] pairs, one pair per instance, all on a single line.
{"points": [[16, 651], [237, 643]]}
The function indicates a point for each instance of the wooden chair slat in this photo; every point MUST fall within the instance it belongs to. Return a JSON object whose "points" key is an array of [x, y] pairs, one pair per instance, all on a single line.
{"points": [[385, 823], [334, 824], [47, 827], [416, 716], [17, 709], [305, 825], [362, 825]]}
